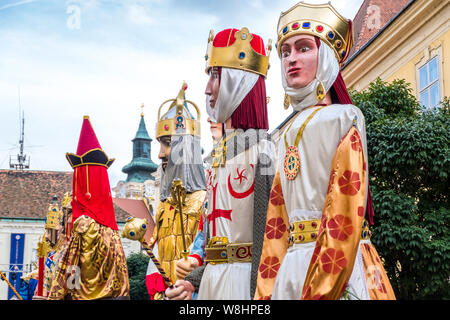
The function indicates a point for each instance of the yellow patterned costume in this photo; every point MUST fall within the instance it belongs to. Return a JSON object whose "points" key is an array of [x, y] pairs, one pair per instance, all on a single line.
{"points": [[178, 132], [167, 232], [93, 266]]}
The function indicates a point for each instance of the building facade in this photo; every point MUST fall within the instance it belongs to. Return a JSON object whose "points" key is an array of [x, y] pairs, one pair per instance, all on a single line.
{"points": [[25, 197], [405, 39]]}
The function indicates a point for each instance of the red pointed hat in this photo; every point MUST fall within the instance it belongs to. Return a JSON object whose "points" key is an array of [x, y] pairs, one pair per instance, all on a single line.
{"points": [[89, 150], [88, 140], [91, 188]]}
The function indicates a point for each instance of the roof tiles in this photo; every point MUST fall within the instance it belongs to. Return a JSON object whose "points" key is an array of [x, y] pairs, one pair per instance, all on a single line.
{"points": [[27, 194]]}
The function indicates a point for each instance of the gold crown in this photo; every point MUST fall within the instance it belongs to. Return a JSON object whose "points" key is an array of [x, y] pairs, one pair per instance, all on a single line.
{"points": [[320, 20], [67, 199], [178, 118], [53, 216], [240, 55]]}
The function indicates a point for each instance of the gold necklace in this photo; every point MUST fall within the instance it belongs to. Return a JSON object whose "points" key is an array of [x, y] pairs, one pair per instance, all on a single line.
{"points": [[220, 151], [292, 156]]}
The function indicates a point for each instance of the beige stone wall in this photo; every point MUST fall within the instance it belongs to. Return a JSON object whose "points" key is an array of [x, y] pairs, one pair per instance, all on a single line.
{"points": [[418, 34], [439, 47]]}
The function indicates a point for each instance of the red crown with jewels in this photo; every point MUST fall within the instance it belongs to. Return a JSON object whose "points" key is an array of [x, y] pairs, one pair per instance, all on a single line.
{"points": [[238, 49]]}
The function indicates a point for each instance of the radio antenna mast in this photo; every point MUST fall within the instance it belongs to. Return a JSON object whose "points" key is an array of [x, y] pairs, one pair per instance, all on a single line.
{"points": [[20, 161]]}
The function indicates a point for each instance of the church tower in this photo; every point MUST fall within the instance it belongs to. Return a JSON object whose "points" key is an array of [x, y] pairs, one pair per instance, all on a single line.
{"points": [[141, 167], [140, 183]]}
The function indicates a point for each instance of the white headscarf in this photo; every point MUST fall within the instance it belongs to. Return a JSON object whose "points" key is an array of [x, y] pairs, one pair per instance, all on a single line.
{"points": [[235, 84], [327, 72]]}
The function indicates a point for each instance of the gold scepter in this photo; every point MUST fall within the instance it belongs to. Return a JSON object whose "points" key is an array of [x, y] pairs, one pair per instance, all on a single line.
{"points": [[178, 192], [135, 229], [10, 285]]}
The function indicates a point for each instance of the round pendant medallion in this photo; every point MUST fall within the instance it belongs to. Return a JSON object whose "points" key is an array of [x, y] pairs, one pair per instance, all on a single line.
{"points": [[291, 163]]}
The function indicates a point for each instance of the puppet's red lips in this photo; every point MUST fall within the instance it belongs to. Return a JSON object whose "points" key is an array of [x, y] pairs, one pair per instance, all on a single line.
{"points": [[293, 70]]}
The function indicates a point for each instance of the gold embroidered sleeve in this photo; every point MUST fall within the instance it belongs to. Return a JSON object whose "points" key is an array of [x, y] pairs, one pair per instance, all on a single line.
{"points": [[342, 217], [275, 241]]}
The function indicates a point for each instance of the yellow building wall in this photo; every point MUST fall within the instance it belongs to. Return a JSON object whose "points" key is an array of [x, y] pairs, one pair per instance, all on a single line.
{"points": [[408, 43], [408, 71]]}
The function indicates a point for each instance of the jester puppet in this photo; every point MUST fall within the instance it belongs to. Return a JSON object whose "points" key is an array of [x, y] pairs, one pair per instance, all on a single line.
{"points": [[240, 171], [93, 264], [178, 133], [317, 243]]}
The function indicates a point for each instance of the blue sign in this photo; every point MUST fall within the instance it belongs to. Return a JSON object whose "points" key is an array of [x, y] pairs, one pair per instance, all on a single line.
{"points": [[15, 262], [49, 261]]}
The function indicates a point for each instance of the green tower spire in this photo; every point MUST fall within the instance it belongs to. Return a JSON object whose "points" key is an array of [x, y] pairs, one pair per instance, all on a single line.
{"points": [[141, 166]]}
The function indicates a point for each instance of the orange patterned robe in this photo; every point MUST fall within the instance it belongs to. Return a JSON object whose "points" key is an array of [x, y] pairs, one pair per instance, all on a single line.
{"points": [[339, 264]]}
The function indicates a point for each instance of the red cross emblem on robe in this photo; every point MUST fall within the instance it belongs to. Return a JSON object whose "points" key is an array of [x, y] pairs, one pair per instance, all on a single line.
{"points": [[217, 213]]}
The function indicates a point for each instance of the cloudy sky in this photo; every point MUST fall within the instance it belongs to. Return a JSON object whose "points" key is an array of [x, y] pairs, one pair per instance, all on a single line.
{"points": [[104, 58]]}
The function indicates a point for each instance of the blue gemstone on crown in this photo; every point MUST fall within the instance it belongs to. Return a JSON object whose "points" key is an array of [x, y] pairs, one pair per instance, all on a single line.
{"points": [[285, 29], [241, 55], [343, 53], [306, 25], [331, 35], [132, 233], [144, 226]]}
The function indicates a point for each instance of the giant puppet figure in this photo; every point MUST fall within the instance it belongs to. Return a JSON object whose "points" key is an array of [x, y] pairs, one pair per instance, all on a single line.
{"points": [[184, 267], [178, 133], [93, 263], [241, 169], [317, 244]]}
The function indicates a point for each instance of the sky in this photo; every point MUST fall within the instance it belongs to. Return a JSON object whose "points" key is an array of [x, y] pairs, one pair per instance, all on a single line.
{"points": [[61, 60]]}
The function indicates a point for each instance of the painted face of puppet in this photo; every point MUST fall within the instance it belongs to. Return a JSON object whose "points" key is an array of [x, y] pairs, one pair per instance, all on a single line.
{"points": [[216, 130], [212, 86], [299, 56], [164, 150]]}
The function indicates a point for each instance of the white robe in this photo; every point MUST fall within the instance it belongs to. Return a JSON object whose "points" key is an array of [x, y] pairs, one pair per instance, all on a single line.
{"points": [[305, 196], [231, 281]]}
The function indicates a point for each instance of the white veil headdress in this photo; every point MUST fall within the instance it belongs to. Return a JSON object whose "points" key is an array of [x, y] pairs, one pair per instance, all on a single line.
{"points": [[235, 84], [327, 72]]}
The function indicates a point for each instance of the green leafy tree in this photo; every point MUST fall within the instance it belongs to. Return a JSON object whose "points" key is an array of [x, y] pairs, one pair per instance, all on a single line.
{"points": [[137, 268], [409, 162]]}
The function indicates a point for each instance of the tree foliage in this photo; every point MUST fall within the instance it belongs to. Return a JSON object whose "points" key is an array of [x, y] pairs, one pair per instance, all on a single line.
{"points": [[409, 163], [137, 269]]}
